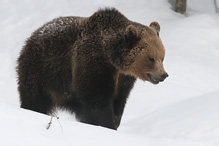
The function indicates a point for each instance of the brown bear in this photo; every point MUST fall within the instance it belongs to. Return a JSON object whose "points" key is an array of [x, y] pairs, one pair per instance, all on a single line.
{"points": [[89, 65]]}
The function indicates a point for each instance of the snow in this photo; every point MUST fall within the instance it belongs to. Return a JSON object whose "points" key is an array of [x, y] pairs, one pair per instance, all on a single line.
{"points": [[201, 6], [182, 111]]}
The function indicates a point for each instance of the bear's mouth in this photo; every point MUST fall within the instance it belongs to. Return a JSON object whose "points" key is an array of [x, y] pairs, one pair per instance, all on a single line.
{"points": [[152, 79]]}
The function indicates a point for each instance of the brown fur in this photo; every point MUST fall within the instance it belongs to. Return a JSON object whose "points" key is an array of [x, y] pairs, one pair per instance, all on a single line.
{"points": [[89, 65]]}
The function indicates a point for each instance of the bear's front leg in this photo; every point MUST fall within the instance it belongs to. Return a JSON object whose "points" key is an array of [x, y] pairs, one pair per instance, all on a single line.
{"points": [[125, 84], [94, 86], [98, 113]]}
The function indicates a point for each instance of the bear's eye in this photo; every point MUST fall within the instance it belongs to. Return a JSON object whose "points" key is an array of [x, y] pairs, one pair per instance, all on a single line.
{"points": [[145, 44], [151, 59], [158, 34]]}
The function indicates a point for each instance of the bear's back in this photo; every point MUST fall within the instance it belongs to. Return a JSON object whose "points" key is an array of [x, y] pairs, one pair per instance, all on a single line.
{"points": [[48, 51], [59, 26]]}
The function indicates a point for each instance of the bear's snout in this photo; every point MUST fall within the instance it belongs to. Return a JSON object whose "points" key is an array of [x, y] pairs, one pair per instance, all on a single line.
{"points": [[155, 78], [164, 76]]}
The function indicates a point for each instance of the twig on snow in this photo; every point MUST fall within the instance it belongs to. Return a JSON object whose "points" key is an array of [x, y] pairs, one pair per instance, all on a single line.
{"points": [[50, 122]]}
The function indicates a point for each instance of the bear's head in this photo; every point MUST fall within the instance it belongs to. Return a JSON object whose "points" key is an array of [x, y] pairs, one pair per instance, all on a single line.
{"points": [[147, 53]]}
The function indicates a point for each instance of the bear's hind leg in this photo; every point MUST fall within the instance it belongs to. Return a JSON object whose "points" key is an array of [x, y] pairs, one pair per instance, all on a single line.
{"points": [[35, 100]]}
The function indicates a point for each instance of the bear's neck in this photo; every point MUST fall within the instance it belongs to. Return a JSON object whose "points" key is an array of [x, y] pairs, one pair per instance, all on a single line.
{"points": [[109, 20]]}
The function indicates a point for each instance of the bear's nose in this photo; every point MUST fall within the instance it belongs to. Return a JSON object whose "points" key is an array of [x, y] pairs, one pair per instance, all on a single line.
{"points": [[164, 76]]}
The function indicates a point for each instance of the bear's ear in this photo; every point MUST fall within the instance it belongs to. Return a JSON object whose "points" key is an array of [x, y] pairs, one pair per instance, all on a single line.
{"points": [[131, 33], [155, 25]]}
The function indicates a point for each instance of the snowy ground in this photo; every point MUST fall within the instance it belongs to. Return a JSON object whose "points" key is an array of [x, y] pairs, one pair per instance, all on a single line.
{"points": [[182, 111]]}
